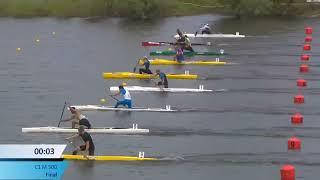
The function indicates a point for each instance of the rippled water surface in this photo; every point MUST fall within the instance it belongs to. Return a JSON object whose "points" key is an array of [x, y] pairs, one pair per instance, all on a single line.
{"points": [[238, 134]]}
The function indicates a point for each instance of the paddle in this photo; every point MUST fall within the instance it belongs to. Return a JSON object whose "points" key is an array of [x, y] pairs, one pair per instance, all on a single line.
{"points": [[64, 106], [114, 98], [75, 147], [135, 67]]}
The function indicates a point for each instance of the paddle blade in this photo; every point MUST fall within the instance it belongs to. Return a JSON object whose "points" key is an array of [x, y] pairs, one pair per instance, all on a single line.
{"points": [[150, 44]]}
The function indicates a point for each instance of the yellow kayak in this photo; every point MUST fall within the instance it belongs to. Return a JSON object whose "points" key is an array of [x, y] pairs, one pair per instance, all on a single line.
{"points": [[172, 62], [106, 158], [130, 75]]}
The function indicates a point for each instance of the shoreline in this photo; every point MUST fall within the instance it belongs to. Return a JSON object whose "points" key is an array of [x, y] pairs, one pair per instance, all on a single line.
{"points": [[146, 9]]}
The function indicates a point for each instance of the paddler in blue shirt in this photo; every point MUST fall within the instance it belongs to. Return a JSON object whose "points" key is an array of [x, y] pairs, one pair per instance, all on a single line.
{"points": [[126, 97], [146, 63], [179, 54], [163, 79]]}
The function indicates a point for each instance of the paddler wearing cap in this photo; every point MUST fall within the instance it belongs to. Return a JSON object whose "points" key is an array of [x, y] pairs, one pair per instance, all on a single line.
{"points": [[205, 29], [126, 97], [163, 79], [77, 118], [146, 63], [88, 147]]}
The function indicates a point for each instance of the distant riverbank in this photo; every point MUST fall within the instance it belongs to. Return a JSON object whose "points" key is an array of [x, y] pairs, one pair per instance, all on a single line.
{"points": [[149, 9]]}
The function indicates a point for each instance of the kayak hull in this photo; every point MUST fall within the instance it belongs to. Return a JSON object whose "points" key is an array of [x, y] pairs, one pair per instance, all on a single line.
{"points": [[106, 158], [157, 89], [237, 35], [199, 63], [102, 130], [130, 75], [110, 108], [186, 53]]}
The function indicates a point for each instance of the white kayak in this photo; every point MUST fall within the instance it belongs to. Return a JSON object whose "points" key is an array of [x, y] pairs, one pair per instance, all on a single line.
{"points": [[158, 89], [96, 130], [237, 35], [111, 108]]}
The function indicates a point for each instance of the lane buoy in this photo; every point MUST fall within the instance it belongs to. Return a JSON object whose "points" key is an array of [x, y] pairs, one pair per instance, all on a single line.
{"points": [[18, 49], [305, 57], [307, 47], [301, 83], [294, 143], [308, 39], [308, 30], [297, 118], [287, 172], [298, 99], [304, 68]]}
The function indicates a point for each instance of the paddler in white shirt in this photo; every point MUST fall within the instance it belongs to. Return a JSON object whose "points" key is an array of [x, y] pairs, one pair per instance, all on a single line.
{"points": [[205, 29], [78, 119]]}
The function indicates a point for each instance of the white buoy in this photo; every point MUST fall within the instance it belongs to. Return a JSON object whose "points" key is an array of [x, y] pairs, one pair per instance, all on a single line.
{"points": [[141, 154]]}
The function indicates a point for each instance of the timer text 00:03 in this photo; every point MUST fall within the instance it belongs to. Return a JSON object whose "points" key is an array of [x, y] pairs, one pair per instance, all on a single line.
{"points": [[43, 151]]}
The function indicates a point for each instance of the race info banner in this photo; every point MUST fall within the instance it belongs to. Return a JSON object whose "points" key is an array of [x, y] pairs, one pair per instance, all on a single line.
{"points": [[32, 161]]}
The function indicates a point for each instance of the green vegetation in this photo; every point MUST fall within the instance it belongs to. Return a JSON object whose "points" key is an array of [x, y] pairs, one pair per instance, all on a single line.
{"points": [[149, 9], [243, 8]]}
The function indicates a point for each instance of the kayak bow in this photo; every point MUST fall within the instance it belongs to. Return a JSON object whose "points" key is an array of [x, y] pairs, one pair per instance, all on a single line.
{"points": [[130, 75]]}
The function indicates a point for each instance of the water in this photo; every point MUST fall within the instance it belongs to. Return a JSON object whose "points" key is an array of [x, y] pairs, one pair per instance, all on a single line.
{"points": [[238, 134]]}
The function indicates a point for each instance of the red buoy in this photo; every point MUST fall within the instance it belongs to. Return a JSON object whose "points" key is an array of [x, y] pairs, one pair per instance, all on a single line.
{"points": [[301, 83], [287, 172], [298, 99], [304, 68], [305, 57], [308, 39], [297, 118], [308, 30], [307, 47], [294, 144]]}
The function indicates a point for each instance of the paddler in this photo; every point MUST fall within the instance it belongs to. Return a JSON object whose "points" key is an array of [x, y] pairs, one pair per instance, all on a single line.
{"points": [[187, 44], [205, 29], [163, 79], [146, 63], [88, 147], [179, 57], [78, 119], [181, 38], [126, 97]]}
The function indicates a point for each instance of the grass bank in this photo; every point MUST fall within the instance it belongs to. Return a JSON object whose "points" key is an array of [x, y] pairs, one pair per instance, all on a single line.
{"points": [[135, 9], [149, 9]]}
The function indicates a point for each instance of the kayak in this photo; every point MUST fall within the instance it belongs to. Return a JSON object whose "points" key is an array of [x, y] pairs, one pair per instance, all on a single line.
{"points": [[111, 108], [96, 130], [157, 89], [172, 44], [173, 62], [187, 53], [109, 158], [130, 75], [190, 35]]}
